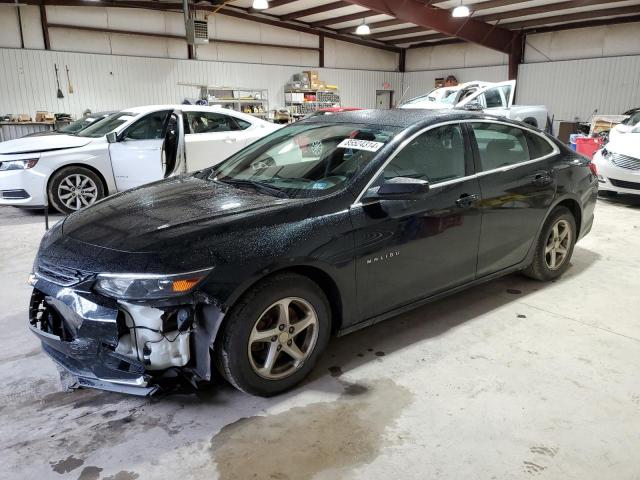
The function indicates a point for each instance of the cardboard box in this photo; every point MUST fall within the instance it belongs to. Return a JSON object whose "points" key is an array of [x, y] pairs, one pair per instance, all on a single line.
{"points": [[40, 116], [24, 117]]}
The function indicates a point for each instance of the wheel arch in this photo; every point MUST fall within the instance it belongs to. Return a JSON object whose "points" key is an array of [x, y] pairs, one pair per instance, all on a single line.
{"points": [[319, 276], [105, 185], [574, 207], [531, 121]]}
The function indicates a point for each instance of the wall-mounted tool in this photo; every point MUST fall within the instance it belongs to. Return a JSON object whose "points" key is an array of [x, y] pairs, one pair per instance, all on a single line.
{"points": [[60, 95], [69, 84]]}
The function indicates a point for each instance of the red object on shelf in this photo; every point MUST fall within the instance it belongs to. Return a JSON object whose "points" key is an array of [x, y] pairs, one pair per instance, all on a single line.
{"points": [[588, 146]]}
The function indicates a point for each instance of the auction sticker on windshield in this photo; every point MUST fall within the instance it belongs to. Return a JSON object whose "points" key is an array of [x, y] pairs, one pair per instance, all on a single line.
{"points": [[355, 144]]}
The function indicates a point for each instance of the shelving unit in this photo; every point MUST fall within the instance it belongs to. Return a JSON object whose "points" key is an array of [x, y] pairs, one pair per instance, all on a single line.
{"points": [[252, 101], [299, 107]]}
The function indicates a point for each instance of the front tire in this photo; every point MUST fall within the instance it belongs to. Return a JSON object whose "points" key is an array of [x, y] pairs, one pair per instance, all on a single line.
{"points": [[73, 188], [554, 247], [274, 335]]}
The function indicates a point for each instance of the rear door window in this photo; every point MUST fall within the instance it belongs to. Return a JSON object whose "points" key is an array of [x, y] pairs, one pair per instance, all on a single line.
{"points": [[538, 146], [500, 145], [210, 122]]}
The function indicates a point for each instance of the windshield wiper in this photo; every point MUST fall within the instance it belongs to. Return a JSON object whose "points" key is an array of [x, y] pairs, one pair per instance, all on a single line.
{"points": [[260, 186]]}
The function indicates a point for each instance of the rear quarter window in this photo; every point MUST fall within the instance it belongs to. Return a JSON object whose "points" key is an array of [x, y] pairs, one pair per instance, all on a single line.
{"points": [[538, 146]]}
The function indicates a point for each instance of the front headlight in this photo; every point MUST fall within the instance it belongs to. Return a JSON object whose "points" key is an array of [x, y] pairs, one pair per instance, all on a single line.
{"points": [[18, 164], [145, 286]]}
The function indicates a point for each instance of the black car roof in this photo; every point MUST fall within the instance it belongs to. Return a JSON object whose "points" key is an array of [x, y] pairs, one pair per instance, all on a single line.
{"points": [[403, 118]]}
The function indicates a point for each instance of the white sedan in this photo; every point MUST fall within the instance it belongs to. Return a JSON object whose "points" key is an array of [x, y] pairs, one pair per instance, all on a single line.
{"points": [[618, 164], [128, 149]]}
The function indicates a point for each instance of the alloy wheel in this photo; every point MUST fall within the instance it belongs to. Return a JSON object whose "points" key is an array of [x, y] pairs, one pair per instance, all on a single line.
{"points": [[282, 339], [557, 245], [77, 191]]}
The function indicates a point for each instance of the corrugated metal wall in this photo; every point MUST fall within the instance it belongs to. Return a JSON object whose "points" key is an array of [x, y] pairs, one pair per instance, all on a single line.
{"points": [[105, 82], [417, 83], [575, 88]]}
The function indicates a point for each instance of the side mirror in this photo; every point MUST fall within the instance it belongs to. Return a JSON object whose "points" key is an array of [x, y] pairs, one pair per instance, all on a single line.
{"points": [[400, 188], [112, 137], [473, 107]]}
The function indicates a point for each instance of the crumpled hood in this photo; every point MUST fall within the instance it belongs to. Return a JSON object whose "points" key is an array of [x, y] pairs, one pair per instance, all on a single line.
{"points": [[626, 144], [42, 144], [166, 214]]}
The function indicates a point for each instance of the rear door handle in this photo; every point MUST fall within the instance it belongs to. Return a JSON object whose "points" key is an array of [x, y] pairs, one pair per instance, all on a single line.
{"points": [[466, 200], [230, 139], [541, 178]]}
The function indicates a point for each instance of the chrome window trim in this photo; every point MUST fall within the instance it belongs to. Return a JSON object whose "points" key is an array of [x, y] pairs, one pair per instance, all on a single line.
{"points": [[401, 147]]}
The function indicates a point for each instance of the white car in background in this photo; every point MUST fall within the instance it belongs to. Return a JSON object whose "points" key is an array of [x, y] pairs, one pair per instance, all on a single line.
{"points": [[494, 98], [130, 148], [618, 164], [629, 124]]}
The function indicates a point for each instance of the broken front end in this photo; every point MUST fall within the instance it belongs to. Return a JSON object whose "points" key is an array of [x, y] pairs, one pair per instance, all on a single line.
{"points": [[125, 333]]}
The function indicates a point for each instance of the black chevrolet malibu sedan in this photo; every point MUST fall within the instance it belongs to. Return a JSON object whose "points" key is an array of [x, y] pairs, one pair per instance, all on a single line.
{"points": [[323, 227]]}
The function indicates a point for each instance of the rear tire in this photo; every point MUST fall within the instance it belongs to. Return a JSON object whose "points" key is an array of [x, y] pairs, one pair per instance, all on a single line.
{"points": [[265, 347], [554, 246], [73, 188]]}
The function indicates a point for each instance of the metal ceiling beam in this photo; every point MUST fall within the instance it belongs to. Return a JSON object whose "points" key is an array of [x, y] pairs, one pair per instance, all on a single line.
{"points": [[373, 25], [552, 7], [400, 31], [315, 10], [590, 15], [587, 23], [475, 8], [304, 28], [421, 38], [344, 18], [273, 4], [413, 11]]}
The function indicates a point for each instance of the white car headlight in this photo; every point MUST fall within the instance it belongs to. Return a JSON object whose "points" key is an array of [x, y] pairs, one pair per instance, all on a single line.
{"points": [[18, 164], [146, 286]]}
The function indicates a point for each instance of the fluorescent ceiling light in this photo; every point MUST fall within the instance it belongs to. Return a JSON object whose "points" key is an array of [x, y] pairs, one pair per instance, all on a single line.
{"points": [[363, 29], [260, 4], [460, 11]]}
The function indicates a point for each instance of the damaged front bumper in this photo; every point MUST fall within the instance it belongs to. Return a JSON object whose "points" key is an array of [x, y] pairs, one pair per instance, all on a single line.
{"points": [[81, 330]]}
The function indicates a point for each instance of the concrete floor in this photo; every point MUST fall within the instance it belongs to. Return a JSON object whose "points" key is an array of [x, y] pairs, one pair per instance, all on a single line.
{"points": [[510, 380]]}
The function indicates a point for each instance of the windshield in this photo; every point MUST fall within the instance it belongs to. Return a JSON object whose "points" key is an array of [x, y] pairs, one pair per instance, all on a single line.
{"points": [[99, 129], [306, 160], [76, 126], [633, 119], [444, 95]]}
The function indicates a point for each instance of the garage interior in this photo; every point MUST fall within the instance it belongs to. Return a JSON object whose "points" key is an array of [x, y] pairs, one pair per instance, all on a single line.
{"points": [[511, 379]]}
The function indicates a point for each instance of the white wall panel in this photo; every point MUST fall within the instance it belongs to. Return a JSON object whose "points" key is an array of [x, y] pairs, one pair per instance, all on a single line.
{"points": [[9, 30], [82, 17], [418, 83], [31, 27], [339, 54], [105, 82], [575, 88], [592, 42], [453, 56]]}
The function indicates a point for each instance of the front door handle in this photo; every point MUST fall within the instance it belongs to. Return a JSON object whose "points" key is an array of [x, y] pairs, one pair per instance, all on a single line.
{"points": [[541, 178], [230, 139], [466, 200]]}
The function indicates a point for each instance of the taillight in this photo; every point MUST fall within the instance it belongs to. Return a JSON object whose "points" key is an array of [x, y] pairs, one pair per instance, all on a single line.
{"points": [[593, 168]]}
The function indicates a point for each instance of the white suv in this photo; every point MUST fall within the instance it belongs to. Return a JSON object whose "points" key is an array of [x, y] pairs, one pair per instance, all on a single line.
{"points": [[70, 172]]}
